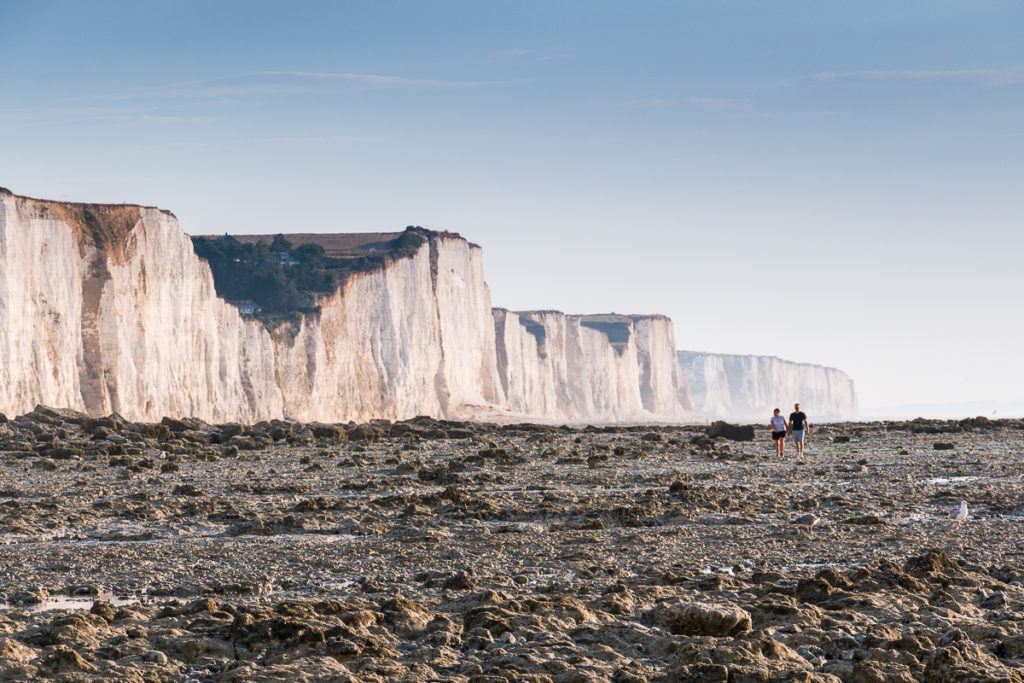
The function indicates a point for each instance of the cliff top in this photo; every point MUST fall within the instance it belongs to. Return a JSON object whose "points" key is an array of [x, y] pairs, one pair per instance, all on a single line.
{"points": [[346, 244], [754, 355], [616, 327], [338, 245], [622, 318], [94, 206], [279, 279], [591, 317], [104, 226]]}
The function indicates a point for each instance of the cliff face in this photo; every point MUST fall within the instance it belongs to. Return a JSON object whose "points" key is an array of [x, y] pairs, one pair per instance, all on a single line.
{"points": [[749, 387], [107, 308], [411, 339], [553, 364]]}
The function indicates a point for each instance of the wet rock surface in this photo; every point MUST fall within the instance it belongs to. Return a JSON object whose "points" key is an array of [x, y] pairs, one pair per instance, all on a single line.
{"points": [[432, 550]]}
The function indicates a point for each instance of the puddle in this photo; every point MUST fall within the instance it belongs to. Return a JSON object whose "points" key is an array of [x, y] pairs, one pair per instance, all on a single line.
{"points": [[949, 481], [502, 527], [710, 571], [817, 565], [58, 601]]}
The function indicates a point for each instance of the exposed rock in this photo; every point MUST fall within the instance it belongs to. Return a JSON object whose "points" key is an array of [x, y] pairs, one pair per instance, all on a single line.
{"points": [[531, 567], [731, 432], [701, 619]]}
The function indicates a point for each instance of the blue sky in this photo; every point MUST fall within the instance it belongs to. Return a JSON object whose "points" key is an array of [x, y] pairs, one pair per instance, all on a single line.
{"points": [[838, 183]]}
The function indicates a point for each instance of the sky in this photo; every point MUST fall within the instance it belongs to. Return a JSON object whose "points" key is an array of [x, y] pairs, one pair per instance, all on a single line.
{"points": [[834, 183]]}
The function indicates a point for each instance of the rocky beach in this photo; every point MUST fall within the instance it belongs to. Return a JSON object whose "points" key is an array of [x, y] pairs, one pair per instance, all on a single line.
{"points": [[431, 550]]}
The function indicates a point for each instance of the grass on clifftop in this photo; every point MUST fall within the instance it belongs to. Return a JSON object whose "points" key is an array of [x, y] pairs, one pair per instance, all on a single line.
{"points": [[285, 281]]}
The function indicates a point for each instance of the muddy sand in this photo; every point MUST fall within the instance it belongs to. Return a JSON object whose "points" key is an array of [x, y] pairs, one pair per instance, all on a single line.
{"points": [[440, 551]]}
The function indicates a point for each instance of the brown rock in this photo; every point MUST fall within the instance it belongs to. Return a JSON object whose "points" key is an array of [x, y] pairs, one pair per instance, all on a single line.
{"points": [[702, 619]]}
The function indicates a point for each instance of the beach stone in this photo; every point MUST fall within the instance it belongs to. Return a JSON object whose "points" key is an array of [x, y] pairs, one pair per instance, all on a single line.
{"points": [[323, 431], [702, 619], [30, 596], [363, 432], [731, 431], [463, 580], [965, 661], [103, 609], [188, 490], [61, 659], [252, 442], [191, 648], [408, 618], [864, 520], [814, 590], [15, 660], [934, 561]]}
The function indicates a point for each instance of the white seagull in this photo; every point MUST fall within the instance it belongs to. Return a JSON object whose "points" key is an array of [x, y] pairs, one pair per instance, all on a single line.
{"points": [[960, 514]]}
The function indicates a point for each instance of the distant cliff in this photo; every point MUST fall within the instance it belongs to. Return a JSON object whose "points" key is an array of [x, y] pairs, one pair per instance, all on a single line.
{"points": [[572, 367], [108, 308], [748, 388]]}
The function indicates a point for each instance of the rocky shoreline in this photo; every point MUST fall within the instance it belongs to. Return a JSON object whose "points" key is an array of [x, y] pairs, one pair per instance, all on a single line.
{"points": [[427, 550]]}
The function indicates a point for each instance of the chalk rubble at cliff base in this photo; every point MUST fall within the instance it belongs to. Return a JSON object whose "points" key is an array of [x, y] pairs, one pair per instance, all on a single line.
{"points": [[436, 550]]}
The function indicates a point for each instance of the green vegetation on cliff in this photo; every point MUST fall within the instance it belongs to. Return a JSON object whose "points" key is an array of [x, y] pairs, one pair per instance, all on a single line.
{"points": [[285, 280]]}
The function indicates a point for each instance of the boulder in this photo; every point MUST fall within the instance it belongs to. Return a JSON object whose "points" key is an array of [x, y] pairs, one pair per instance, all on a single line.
{"points": [[731, 431], [701, 619]]}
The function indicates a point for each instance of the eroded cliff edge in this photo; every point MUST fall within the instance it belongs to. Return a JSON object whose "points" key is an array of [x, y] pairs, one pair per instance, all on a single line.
{"points": [[108, 309], [748, 388]]}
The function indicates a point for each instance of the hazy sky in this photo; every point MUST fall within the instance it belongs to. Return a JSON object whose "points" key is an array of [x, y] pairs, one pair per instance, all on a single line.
{"points": [[832, 182]]}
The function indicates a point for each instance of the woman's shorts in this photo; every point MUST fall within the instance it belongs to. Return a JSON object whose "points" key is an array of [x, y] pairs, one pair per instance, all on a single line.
{"points": [[798, 435], [778, 435]]}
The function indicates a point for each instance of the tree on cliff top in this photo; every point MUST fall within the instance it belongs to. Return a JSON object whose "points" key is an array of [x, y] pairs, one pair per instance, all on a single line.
{"points": [[288, 287]]}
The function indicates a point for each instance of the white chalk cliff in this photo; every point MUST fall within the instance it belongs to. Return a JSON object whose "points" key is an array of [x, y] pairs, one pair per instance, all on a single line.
{"points": [[748, 388], [107, 308], [555, 364]]}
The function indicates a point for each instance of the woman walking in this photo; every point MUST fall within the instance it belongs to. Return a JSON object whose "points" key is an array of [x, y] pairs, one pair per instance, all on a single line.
{"points": [[779, 428]]}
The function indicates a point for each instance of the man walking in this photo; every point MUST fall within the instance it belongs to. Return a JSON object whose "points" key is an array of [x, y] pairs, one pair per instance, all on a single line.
{"points": [[799, 425]]}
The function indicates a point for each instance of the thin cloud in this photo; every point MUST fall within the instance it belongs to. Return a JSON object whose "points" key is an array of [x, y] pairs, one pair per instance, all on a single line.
{"points": [[273, 83], [46, 116], [718, 103], [993, 78], [248, 142], [517, 53], [376, 80], [711, 103]]}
